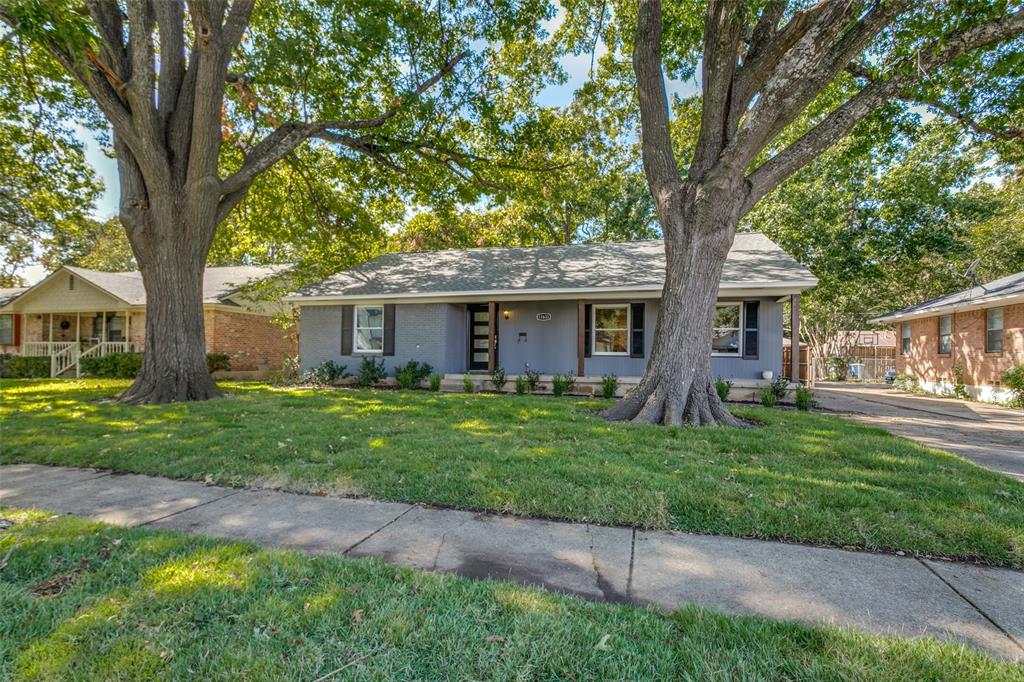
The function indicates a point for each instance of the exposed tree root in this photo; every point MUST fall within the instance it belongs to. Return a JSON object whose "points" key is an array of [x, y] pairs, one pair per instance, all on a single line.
{"points": [[673, 403]]}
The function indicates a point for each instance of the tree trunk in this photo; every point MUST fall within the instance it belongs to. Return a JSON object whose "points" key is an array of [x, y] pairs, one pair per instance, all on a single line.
{"points": [[678, 386], [174, 360]]}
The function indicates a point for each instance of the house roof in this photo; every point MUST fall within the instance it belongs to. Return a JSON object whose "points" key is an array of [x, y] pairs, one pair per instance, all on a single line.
{"points": [[1003, 291], [754, 262], [219, 283], [9, 294]]}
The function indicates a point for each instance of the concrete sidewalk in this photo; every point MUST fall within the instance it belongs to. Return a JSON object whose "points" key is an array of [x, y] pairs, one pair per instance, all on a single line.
{"points": [[873, 592]]}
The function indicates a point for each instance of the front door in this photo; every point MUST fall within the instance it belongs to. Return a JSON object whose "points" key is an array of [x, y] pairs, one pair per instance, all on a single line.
{"points": [[479, 339]]}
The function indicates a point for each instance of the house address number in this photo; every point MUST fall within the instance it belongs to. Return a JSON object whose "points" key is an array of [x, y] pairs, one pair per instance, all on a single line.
{"points": [[543, 317]]}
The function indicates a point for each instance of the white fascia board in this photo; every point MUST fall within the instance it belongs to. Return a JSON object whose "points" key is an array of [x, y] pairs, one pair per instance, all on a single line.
{"points": [[992, 302]]}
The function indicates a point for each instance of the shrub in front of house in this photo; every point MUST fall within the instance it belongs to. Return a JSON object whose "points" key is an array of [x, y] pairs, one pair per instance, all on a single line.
{"points": [[532, 379], [804, 399], [467, 384], [1013, 379], [24, 366], [499, 379], [768, 398], [435, 382], [325, 374], [562, 383], [722, 388], [371, 372], [609, 384], [778, 387], [520, 385], [218, 362], [412, 373], [904, 382], [112, 366]]}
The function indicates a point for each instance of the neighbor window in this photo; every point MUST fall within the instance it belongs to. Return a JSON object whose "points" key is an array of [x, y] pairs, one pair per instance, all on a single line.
{"points": [[945, 334], [6, 330], [905, 339], [725, 339], [994, 330], [611, 329], [369, 329]]}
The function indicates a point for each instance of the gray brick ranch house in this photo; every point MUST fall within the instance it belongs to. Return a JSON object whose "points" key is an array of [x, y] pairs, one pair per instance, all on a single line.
{"points": [[588, 309]]}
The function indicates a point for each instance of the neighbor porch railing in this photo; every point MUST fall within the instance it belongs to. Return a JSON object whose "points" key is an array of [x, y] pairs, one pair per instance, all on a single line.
{"points": [[49, 348]]}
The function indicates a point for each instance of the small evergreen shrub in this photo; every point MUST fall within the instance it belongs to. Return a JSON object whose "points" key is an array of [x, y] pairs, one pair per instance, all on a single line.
{"points": [[499, 379], [768, 398], [532, 379], [324, 375], [804, 398], [24, 366], [467, 384], [959, 387], [562, 383], [435, 382], [520, 385], [218, 362], [609, 384], [371, 372], [112, 366], [904, 382], [412, 373], [722, 388], [778, 387], [1013, 379]]}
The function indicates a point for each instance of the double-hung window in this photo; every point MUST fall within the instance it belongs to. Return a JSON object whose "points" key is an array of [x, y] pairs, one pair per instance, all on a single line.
{"points": [[6, 330], [369, 329], [994, 330], [905, 339], [611, 329], [725, 339], [945, 334]]}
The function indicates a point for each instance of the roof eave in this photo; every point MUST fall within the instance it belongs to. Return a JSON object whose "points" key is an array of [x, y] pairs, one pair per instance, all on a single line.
{"points": [[976, 304]]}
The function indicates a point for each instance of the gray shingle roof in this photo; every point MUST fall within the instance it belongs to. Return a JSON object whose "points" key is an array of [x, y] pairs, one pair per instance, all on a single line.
{"points": [[1006, 289], [9, 294], [218, 283], [754, 261]]}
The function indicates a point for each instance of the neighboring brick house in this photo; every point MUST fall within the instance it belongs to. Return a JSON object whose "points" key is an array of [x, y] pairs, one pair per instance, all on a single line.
{"points": [[978, 332], [75, 313]]}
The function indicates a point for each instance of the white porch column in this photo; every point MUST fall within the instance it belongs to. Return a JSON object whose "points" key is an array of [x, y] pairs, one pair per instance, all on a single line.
{"points": [[78, 328], [128, 330]]}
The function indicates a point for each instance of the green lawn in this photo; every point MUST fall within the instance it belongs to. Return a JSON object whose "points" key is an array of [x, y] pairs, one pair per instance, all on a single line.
{"points": [[804, 477], [80, 600]]}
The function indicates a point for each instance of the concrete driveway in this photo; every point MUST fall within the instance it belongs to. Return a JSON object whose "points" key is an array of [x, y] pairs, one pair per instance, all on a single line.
{"points": [[988, 435]]}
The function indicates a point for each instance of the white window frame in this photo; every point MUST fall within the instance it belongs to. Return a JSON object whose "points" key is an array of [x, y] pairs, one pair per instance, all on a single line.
{"points": [[593, 328], [356, 350], [9, 316], [739, 330], [1001, 328], [905, 335]]}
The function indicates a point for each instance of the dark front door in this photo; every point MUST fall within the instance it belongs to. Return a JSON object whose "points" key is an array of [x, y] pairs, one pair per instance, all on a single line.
{"points": [[479, 339]]}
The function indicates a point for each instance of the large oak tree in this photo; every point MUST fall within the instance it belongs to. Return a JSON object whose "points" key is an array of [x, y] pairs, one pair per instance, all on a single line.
{"points": [[781, 83], [203, 97]]}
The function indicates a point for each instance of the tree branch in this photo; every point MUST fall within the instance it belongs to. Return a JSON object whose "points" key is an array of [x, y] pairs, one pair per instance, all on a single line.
{"points": [[170, 15], [836, 125], [655, 141], [285, 138], [1007, 134]]}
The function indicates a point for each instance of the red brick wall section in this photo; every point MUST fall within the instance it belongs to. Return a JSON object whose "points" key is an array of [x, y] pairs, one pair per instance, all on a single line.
{"points": [[253, 342], [980, 368]]}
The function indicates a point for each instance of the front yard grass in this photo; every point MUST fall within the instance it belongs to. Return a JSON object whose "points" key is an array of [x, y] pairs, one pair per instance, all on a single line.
{"points": [[810, 478], [84, 601]]}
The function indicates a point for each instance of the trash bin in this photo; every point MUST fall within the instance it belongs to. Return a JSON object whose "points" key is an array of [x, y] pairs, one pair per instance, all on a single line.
{"points": [[857, 371]]}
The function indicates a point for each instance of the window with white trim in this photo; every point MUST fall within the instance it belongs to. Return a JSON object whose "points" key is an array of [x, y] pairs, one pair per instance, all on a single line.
{"points": [[905, 338], [945, 334], [368, 329], [994, 330], [726, 336], [6, 330], [611, 329]]}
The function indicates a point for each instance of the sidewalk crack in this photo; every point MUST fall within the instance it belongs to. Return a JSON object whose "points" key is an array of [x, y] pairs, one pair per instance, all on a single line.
{"points": [[195, 506], [973, 605], [411, 507], [632, 555]]}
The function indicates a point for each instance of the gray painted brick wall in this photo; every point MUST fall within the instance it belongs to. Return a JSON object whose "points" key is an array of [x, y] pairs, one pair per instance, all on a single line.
{"points": [[436, 333]]}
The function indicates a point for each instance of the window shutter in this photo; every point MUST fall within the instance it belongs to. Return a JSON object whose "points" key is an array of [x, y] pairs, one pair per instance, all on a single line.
{"points": [[588, 315], [17, 329], [346, 329], [389, 329], [750, 325], [636, 335]]}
